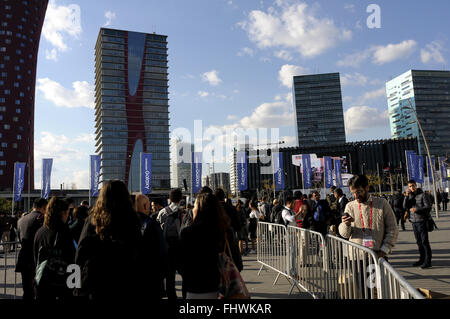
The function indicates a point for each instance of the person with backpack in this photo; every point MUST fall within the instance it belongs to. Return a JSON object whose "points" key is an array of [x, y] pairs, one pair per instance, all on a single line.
{"points": [[53, 248], [170, 219]]}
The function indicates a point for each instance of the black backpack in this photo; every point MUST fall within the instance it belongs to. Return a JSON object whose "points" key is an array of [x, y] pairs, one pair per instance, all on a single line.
{"points": [[172, 224]]}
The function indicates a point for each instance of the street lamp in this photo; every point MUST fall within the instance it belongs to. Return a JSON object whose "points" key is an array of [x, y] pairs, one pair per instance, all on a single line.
{"points": [[429, 156]]}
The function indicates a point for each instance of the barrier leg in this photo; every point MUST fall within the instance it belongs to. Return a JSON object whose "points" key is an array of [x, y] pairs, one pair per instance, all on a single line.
{"points": [[276, 279], [262, 266]]}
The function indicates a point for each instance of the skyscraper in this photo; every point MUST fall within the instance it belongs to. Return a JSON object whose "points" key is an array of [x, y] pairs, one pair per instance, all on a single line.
{"points": [[131, 109], [180, 161], [429, 94], [20, 31], [318, 109]]}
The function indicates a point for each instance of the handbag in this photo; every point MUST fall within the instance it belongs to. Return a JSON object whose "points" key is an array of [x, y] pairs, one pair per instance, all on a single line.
{"points": [[431, 225], [52, 271], [232, 286]]}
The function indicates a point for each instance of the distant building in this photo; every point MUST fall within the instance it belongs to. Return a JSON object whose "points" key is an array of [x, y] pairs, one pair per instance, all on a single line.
{"points": [[180, 162], [20, 31], [220, 180], [429, 94], [318, 109], [132, 106]]}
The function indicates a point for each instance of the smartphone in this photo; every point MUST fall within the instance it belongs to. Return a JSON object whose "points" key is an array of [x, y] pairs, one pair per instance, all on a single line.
{"points": [[346, 215]]}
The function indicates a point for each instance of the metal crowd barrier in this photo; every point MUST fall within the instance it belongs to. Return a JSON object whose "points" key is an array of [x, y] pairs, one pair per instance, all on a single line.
{"points": [[393, 285], [328, 267], [272, 249], [10, 281], [307, 261]]}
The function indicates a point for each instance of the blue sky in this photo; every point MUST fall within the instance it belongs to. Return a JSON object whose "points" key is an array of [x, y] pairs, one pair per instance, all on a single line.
{"points": [[231, 64]]}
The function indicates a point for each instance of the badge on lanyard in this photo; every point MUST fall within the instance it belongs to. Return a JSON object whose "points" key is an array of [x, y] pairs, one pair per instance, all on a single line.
{"points": [[367, 233]]}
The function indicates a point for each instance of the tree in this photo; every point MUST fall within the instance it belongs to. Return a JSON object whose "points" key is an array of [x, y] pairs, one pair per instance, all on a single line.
{"points": [[5, 205]]}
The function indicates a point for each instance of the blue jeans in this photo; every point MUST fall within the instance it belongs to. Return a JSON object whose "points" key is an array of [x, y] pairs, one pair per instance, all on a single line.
{"points": [[421, 234]]}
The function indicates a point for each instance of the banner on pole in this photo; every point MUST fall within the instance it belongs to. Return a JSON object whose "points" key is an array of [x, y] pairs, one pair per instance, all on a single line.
{"points": [[146, 173], [328, 171], [277, 159], [46, 176], [411, 162], [94, 175], [420, 178], [443, 167], [306, 165], [19, 180], [242, 171], [196, 172], [338, 172]]}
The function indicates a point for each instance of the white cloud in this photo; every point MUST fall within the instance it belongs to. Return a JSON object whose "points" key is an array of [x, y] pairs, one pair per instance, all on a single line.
{"points": [[236, 91], [284, 55], [293, 26], [212, 77], [360, 118], [392, 52], [354, 60], [70, 158], [202, 93], [433, 53], [51, 55], [287, 72], [61, 20], [82, 94], [275, 114], [109, 15], [232, 117], [245, 51], [372, 95], [355, 79]]}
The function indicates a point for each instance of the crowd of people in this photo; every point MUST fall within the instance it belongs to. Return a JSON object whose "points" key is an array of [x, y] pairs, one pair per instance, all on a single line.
{"points": [[131, 244]]}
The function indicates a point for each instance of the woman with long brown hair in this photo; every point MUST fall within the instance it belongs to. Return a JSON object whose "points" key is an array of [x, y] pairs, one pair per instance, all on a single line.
{"points": [[201, 244], [108, 251], [53, 241]]}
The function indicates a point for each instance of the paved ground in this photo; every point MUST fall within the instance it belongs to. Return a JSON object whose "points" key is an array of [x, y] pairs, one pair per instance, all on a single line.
{"points": [[405, 253]]}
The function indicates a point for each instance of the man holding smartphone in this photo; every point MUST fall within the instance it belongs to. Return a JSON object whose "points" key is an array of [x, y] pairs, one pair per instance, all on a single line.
{"points": [[368, 220]]}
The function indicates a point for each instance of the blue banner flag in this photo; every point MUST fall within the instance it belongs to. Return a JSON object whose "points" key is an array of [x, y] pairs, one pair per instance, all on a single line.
{"points": [[242, 171], [19, 180], [443, 167], [46, 175], [411, 161], [338, 172], [94, 175], [306, 166], [146, 173], [430, 167], [328, 171], [420, 177], [278, 171], [196, 172]]}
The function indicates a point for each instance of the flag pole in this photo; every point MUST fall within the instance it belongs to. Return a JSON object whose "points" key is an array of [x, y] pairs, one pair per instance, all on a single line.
{"points": [[14, 179]]}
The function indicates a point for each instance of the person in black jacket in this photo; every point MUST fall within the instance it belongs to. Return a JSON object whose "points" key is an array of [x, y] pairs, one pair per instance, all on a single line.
{"points": [[80, 214], [418, 206], [341, 202], [154, 250], [27, 226], [201, 244], [396, 203], [109, 250], [54, 240], [318, 217]]}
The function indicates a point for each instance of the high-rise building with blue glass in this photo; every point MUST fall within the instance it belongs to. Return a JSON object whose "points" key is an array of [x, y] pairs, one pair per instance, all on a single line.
{"points": [[428, 93], [132, 106]]}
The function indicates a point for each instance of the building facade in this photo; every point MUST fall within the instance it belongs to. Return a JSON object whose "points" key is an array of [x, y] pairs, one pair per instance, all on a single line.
{"points": [[365, 157], [180, 165], [220, 180], [20, 31], [132, 106], [428, 93], [318, 109]]}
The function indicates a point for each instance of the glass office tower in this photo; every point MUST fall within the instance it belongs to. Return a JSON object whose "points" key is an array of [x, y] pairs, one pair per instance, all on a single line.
{"points": [[132, 106], [428, 92], [318, 109], [20, 31]]}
